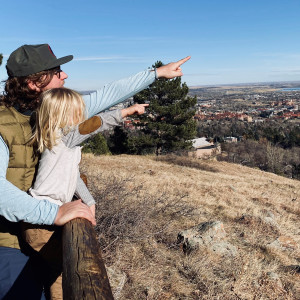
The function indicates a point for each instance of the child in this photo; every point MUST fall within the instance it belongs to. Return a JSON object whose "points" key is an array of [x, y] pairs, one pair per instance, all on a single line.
{"points": [[60, 128]]}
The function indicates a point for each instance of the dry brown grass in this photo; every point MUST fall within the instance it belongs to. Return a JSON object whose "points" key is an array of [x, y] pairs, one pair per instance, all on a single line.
{"points": [[143, 203]]}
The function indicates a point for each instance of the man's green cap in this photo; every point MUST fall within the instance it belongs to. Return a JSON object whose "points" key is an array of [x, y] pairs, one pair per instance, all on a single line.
{"points": [[31, 59]]}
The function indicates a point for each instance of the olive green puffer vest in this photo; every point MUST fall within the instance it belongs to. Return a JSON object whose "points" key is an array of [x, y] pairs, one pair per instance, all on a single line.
{"points": [[15, 130]]}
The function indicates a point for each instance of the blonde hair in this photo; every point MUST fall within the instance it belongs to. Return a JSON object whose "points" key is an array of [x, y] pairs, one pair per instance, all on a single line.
{"points": [[61, 109]]}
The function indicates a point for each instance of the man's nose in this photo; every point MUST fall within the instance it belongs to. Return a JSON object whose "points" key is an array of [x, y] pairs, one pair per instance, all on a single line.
{"points": [[63, 75]]}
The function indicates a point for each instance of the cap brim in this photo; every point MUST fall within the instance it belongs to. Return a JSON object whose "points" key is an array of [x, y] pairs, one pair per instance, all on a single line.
{"points": [[60, 61]]}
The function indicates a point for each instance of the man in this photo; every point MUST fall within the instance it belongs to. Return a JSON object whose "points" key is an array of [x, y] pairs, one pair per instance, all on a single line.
{"points": [[31, 70]]}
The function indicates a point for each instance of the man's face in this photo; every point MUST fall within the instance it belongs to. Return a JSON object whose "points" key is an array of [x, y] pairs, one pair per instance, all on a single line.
{"points": [[57, 81]]}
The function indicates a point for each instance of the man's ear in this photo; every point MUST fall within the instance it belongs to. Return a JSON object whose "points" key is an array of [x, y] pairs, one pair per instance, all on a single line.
{"points": [[33, 86]]}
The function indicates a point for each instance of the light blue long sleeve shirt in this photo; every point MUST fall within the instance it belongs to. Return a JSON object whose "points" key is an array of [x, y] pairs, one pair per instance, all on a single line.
{"points": [[16, 205]]}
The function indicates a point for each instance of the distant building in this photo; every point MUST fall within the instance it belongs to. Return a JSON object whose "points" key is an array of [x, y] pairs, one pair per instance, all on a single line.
{"points": [[220, 115], [131, 124], [230, 139], [244, 117], [259, 121], [203, 149]]}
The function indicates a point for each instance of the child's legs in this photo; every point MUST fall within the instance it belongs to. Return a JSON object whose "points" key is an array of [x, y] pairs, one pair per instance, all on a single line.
{"points": [[36, 236], [56, 292], [47, 242]]}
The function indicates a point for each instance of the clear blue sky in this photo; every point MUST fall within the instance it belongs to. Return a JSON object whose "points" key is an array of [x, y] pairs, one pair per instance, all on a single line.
{"points": [[231, 41]]}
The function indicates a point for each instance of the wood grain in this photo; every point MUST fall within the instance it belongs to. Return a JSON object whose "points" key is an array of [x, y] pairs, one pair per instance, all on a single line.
{"points": [[84, 273]]}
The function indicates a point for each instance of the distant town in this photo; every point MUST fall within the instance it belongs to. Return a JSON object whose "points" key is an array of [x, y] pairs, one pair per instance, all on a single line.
{"points": [[257, 102], [249, 103], [257, 125]]}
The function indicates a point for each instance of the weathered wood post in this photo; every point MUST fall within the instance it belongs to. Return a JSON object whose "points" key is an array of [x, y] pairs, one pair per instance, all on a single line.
{"points": [[84, 274]]}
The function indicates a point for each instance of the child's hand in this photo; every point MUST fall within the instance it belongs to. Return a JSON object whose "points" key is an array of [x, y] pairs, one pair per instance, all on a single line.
{"points": [[137, 109], [93, 209]]}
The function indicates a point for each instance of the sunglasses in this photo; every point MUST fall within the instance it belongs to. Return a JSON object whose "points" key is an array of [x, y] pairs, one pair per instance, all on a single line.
{"points": [[57, 72]]}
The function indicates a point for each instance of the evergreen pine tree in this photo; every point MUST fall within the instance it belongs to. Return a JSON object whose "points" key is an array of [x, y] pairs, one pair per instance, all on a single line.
{"points": [[96, 145], [168, 124], [1, 57], [118, 141]]}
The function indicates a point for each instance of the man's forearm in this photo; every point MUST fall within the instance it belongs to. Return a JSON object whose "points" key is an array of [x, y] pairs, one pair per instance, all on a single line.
{"points": [[16, 205], [117, 91]]}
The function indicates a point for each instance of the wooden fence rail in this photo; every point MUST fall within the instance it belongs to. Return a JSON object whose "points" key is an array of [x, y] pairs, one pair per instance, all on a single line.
{"points": [[84, 274]]}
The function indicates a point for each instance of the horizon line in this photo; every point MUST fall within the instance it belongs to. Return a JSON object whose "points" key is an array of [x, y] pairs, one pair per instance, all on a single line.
{"points": [[245, 83]]}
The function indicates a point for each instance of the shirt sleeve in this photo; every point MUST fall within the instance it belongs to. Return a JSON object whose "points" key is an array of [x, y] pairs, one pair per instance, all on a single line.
{"points": [[16, 205], [101, 122], [117, 91], [83, 193]]}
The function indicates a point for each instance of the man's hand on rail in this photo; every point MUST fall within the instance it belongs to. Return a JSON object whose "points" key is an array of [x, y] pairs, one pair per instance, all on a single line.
{"points": [[93, 210], [172, 69], [72, 210]]}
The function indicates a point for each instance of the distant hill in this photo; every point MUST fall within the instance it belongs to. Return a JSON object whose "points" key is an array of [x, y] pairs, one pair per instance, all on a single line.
{"points": [[278, 84], [143, 203]]}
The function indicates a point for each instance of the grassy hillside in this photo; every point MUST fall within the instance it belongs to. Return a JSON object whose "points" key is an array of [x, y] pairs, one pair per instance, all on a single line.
{"points": [[143, 203]]}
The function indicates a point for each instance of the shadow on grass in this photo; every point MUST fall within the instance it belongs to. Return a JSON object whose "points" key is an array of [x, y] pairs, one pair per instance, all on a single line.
{"points": [[185, 161]]}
